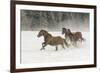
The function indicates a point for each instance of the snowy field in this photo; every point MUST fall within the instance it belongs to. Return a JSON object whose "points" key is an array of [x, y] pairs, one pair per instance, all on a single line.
{"points": [[31, 53]]}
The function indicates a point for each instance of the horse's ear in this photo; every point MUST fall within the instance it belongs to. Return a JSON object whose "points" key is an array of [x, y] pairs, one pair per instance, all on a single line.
{"points": [[64, 29]]}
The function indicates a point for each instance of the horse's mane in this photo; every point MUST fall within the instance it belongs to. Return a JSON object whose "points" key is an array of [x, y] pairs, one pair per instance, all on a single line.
{"points": [[46, 33]]}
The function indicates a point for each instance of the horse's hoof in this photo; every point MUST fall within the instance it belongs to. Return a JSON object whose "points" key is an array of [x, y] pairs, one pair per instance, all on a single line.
{"points": [[41, 49], [56, 50]]}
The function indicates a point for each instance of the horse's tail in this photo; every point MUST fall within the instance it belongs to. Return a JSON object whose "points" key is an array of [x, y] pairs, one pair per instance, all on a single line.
{"points": [[82, 39], [66, 43]]}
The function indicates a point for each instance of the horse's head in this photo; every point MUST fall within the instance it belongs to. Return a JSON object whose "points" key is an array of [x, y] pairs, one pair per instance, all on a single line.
{"points": [[63, 30], [41, 33], [68, 32]]}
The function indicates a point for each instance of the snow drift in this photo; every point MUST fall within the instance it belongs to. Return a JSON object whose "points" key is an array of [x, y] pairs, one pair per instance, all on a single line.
{"points": [[31, 53]]}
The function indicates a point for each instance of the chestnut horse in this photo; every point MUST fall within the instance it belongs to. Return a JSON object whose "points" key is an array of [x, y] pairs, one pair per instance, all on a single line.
{"points": [[51, 40], [74, 37]]}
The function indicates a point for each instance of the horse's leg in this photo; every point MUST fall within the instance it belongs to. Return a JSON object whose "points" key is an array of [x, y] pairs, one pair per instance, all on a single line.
{"points": [[56, 48], [75, 44], [80, 40], [72, 42], [43, 46], [62, 46]]}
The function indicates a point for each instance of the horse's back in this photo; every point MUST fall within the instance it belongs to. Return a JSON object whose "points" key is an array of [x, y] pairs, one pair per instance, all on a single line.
{"points": [[78, 34], [56, 40]]}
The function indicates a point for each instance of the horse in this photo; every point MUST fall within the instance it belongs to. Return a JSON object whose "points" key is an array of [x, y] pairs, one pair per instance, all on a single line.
{"points": [[51, 40], [74, 37]]}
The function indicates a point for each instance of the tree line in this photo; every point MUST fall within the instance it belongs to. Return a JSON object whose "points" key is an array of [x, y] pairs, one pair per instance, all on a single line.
{"points": [[36, 20]]}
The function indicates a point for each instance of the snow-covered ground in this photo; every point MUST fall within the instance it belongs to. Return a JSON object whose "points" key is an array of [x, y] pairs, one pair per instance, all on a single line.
{"points": [[31, 53]]}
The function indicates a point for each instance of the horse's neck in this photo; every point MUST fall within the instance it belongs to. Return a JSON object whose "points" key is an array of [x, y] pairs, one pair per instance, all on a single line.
{"points": [[47, 36], [70, 34]]}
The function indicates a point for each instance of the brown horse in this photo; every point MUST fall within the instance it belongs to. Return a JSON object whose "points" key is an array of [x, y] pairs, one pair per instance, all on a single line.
{"points": [[51, 40], [74, 37]]}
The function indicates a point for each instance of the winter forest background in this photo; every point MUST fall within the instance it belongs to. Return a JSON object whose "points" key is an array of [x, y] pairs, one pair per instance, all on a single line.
{"points": [[53, 20]]}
